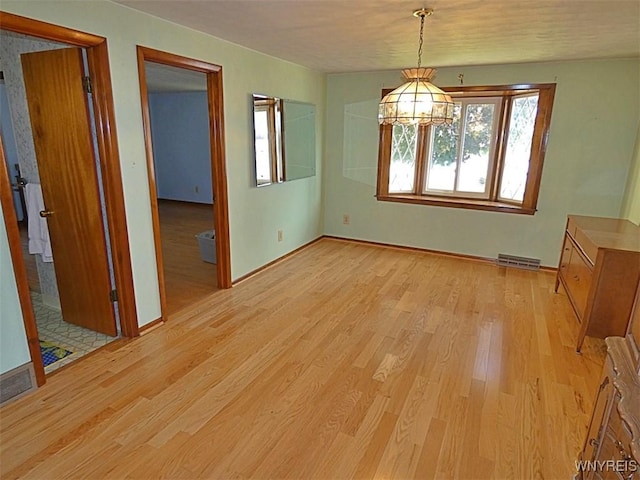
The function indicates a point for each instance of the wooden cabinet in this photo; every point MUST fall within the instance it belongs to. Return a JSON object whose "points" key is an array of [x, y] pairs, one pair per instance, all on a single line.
{"points": [[612, 447], [599, 269]]}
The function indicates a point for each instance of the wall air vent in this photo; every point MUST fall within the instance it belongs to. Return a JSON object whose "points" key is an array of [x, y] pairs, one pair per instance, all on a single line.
{"points": [[505, 260], [16, 383]]}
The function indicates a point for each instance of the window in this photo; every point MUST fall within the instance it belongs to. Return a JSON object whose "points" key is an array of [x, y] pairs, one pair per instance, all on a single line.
{"points": [[267, 128], [489, 158]]}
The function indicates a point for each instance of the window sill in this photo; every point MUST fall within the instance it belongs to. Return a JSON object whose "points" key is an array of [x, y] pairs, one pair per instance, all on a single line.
{"points": [[467, 203]]}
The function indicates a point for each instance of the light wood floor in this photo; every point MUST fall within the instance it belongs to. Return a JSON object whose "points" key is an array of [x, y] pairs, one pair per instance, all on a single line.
{"points": [[187, 277], [344, 361]]}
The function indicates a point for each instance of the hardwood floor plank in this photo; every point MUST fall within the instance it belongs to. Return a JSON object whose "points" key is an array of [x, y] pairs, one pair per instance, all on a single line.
{"points": [[344, 361], [473, 464], [431, 449], [401, 454], [371, 459], [449, 461]]}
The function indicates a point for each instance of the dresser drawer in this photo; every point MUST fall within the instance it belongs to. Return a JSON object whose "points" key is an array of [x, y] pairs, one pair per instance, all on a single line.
{"points": [[577, 273], [615, 450], [619, 431]]}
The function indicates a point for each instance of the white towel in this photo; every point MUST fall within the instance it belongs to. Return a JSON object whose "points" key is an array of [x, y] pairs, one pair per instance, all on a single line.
{"points": [[37, 226]]}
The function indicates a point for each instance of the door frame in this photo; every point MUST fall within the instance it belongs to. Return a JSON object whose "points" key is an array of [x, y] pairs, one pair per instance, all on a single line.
{"points": [[218, 160], [98, 64]]}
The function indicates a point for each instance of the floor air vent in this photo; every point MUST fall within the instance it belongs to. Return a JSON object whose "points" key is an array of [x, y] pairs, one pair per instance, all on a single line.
{"points": [[518, 262], [16, 383]]}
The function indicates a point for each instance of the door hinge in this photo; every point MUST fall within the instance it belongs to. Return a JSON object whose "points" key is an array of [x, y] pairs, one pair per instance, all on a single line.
{"points": [[113, 295], [86, 84]]}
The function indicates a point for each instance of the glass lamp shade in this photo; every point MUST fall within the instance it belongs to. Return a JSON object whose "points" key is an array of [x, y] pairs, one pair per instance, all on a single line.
{"points": [[416, 102]]}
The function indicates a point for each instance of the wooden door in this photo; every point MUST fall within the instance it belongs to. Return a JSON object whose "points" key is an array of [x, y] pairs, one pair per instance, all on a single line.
{"points": [[59, 111]]}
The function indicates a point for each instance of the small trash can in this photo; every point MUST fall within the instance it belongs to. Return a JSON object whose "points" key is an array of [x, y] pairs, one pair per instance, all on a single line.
{"points": [[207, 244]]}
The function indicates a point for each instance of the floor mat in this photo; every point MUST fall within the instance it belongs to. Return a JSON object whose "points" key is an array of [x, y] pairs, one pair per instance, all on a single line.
{"points": [[52, 353]]}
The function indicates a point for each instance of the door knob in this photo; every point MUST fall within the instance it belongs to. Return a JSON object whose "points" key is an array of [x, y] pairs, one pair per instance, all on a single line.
{"points": [[46, 213]]}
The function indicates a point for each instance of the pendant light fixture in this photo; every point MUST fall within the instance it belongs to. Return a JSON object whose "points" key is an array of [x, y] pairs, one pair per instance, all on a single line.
{"points": [[417, 102]]}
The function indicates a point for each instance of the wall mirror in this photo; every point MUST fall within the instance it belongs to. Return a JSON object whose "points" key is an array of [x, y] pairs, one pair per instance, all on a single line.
{"points": [[284, 139]]}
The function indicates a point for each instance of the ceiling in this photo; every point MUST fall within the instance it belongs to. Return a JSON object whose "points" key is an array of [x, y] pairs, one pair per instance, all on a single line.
{"points": [[366, 35]]}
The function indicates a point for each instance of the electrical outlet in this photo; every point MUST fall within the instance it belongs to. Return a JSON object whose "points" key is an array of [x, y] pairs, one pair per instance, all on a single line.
{"points": [[280, 235], [346, 219]]}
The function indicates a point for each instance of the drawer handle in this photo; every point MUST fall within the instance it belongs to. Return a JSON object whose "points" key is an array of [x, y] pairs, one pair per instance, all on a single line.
{"points": [[576, 278], [623, 453], [594, 442]]}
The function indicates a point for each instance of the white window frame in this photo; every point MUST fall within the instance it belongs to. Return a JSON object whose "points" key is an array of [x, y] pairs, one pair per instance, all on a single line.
{"points": [[507, 129], [464, 103]]}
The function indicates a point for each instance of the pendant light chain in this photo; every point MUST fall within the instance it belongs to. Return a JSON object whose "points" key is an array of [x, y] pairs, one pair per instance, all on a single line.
{"points": [[417, 101], [421, 40]]}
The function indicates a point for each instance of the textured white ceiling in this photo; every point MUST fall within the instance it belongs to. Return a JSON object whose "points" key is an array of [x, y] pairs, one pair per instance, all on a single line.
{"points": [[364, 35]]}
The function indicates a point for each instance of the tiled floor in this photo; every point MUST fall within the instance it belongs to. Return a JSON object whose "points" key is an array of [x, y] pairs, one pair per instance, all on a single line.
{"points": [[53, 329]]}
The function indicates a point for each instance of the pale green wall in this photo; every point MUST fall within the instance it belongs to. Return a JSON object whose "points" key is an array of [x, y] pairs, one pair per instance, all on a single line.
{"points": [[631, 206], [591, 142], [255, 214], [14, 350]]}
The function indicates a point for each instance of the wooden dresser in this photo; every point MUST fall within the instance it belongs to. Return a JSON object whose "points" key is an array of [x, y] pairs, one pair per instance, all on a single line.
{"points": [[599, 269], [612, 446]]}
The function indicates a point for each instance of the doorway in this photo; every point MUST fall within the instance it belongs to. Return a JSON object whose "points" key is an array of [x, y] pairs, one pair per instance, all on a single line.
{"points": [[181, 98], [70, 297], [93, 186]]}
